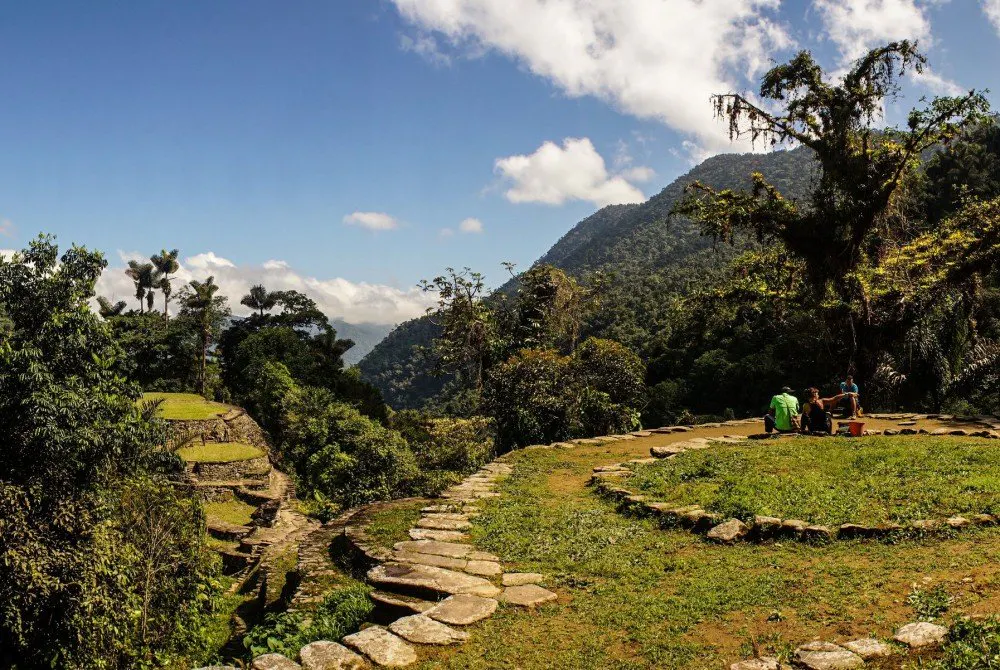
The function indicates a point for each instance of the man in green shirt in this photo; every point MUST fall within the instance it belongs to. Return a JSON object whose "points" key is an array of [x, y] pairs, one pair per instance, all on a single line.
{"points": [[783, 407]]}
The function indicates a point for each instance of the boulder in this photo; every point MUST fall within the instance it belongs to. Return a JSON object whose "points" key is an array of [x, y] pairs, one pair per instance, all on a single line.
{"points": [[729, 531], [528, 595], [921, 634], [869, 648], [853, 530], [462, 610], [958, 522], [329, 656], [382, 647], [274, 662], [826, 656], [766, 527], [793, 527]]}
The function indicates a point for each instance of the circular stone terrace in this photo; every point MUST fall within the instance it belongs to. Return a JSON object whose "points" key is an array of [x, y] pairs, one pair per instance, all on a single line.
{"points": [[616, 584]]}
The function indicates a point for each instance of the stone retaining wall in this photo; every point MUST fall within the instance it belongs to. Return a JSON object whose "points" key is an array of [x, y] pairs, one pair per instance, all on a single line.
{"points": [[234, 426], [252, 468]]}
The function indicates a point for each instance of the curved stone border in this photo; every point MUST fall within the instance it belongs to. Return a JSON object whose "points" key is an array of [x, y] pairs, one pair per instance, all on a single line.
{"points": [[609, 481]]}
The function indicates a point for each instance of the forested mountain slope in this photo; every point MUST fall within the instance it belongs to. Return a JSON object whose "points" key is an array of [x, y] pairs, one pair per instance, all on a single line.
{"points": [[654, 259]]}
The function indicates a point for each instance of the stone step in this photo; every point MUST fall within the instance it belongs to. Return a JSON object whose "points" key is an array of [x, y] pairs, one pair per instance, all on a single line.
{"points": [[420, 629], [235, 561], [382, 647], [223, 530], [391, 606], [462, 609], [429, 582], [439, 535]]}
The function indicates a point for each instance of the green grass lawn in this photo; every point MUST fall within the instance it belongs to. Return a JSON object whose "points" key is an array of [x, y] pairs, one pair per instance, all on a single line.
{"points": [[391, 524], [186, 406], [219, 452], [235, 512], [633, 596], [832, 480]]}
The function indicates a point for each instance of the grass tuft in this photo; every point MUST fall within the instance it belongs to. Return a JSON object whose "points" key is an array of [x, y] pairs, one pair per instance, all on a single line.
{"points": [[219, 452]]}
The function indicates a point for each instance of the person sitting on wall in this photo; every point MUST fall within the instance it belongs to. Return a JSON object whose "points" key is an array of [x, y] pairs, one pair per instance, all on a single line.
{"points": [[783, 408], [815, 417], [849, 397]]}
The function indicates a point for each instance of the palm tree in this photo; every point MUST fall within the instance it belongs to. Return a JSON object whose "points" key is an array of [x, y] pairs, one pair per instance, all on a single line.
{"points": [[145, 277], [166, 264], [208, 311], [260, 299], [107, 309]]}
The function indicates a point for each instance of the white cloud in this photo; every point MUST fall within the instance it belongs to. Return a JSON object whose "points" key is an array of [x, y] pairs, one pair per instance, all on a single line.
{"points": [[992, 11], [640, 174], [471, 225], [372, 220], [355, 302], [426, 47], [7, 228], [446, 232], [659, 59], [856, 26], [553, 174]]}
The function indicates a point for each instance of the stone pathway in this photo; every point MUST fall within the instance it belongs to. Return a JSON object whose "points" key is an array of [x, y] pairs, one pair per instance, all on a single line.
{"points": [[426, 589]]}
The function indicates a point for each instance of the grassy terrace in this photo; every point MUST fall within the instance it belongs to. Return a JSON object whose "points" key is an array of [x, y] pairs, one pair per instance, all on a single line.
{"points": [[235, 512], [833, 480], [186, 406], [635, 596], [219, 452]]}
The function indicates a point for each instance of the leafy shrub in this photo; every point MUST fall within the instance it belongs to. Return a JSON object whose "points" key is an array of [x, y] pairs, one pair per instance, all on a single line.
{"points": [[929, 604], [971, 645], [458, 445], [340, 613]]}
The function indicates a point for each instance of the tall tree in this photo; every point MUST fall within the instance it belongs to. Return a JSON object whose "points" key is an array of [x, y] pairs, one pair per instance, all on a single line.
{"points": [[260, 299], [166, 264], [144, 276], [854, 217], [208, 311]]}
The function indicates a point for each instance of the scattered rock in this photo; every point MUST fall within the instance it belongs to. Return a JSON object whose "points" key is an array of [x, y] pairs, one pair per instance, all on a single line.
{"points": [[853, 530], [462, 610], [890, 432], [329, 656], [869, 648], [424, 630], [958, 522], [521, 578], [984, 519], [921, 634], [762, 663], [940, 431], [528, 595], [826, 656], [907, 423], [908, 431], [665, 451], [959, 432], [729, 531], [925, 524], [274, 662], [382, 647]]}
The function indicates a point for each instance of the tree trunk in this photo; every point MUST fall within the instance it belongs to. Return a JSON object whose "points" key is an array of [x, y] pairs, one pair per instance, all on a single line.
{"points": [[204, 362]]}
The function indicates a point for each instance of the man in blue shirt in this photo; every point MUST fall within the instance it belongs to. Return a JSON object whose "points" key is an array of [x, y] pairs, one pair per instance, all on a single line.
{"points": [[850, 399]]}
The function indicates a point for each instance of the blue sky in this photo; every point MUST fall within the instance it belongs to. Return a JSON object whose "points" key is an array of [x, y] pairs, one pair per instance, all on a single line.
{"points": [[252, 130]]}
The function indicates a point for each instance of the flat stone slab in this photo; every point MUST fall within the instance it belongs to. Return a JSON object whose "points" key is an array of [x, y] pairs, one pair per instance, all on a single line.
{"points": [[274, 662], [528, 595], [426, 578], [729, 531], [521, 578], [438, 535], [666, 451], [869, 648], [329, 656], [443, 524], [382, 647], [415, 605], [451, 516], [826, 656], [420, 629], [482, 556], [762, 663], [483, 568], [429, 559], [462, 609], [921, 634], [435, 547]]}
